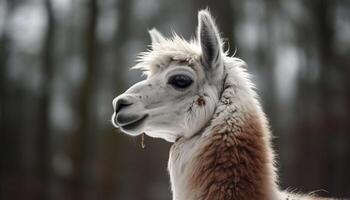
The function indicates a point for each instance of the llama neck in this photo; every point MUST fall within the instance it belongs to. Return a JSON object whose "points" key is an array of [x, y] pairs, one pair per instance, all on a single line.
{"points": [[231, 159], [235, 161]]}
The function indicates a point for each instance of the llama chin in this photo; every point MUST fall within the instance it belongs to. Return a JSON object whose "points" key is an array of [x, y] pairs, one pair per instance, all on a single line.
{"points": [[201, 99]]}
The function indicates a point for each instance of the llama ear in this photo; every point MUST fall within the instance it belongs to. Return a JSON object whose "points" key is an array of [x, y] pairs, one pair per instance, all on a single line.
{"points": [[209, 40], [156, 36]]}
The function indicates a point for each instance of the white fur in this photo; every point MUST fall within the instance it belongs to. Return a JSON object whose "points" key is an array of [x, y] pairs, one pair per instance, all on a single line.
{"points": [[174, 114], [177, 114], [243, 98]]}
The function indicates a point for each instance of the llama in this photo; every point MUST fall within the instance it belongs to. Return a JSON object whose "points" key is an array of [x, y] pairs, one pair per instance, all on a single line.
{"points": [[203, 101]]}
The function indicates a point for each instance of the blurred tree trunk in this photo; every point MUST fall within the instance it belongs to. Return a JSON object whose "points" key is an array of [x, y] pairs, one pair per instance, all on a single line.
{"points": [[324, 12], [9, 145], [7, 158], [266, 54], [340, 147], [316, 120], [332, 77], [44, 139], [121, 38], [4, 53], [84, 143]]}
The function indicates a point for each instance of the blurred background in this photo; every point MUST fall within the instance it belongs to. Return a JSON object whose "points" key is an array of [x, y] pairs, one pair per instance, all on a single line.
{"points": [[63, 61]]}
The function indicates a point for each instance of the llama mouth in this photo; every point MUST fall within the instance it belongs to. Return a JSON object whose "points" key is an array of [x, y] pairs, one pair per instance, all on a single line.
{"points": [[134, 125]]}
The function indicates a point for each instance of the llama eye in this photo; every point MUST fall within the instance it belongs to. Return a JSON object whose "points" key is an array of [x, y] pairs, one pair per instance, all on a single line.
{"points": [[180, 81]]}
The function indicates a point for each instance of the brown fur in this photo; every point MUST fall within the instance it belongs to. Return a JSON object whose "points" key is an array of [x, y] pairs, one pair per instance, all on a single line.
{"points": [[233, 165], [201, 101]]}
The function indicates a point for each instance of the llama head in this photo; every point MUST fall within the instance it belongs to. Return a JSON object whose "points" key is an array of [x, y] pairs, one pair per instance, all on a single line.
{"points": [[183, 85]]}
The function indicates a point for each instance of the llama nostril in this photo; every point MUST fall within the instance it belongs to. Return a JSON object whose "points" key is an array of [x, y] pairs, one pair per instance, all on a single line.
{"points": [[122, 103]]}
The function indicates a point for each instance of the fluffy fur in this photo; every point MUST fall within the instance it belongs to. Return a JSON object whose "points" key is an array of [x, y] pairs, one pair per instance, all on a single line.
{"points": [[232, 157], [222, 142], [159, 56]]}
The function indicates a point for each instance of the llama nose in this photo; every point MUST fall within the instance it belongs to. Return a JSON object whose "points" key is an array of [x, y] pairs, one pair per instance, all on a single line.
{"points": [[121, 103]]}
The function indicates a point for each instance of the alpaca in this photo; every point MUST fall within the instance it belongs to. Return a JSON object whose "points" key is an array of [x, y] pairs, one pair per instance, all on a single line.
{"points": [[203, 101]]}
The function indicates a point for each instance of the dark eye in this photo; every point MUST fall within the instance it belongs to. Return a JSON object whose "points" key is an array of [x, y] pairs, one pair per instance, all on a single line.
{"points": [[180, 81]]}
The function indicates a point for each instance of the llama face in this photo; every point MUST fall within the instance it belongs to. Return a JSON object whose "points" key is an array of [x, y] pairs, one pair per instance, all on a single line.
{"points": [[182, 88]]}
